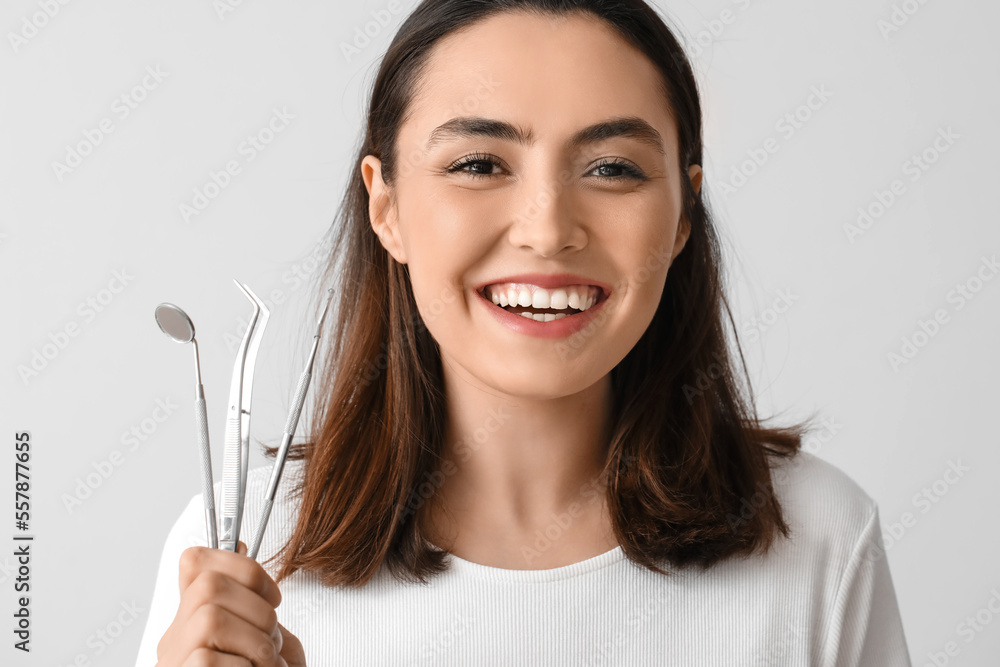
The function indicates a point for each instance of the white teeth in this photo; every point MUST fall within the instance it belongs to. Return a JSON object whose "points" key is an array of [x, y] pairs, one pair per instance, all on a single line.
{"points": [[540, 299], [544, 317], [578, 297]]}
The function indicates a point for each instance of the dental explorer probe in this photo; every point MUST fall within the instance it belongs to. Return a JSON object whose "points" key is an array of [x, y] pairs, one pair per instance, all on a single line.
{"points": [[286, 440], [175, 323], [248, 371], [231, 470]]}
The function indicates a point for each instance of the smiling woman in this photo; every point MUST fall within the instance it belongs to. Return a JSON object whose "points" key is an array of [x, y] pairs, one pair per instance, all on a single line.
{"points": [[538, 472]]}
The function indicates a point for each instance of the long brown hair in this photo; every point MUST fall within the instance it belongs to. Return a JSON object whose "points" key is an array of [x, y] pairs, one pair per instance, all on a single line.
{"points": [[687, 451]]}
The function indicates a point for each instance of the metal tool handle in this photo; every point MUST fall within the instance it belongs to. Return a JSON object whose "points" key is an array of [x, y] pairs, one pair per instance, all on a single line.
{"points": [[232, 472], [286, 440], [249, 365], [207, 490], [265, 514], [230, 530], [300, 399], [279, 461]]}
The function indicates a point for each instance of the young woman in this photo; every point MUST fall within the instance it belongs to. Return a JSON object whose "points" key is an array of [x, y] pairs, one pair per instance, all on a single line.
{"points": [[532, 444]]}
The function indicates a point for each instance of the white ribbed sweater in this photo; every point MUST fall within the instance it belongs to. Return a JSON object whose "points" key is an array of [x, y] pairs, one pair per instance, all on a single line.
{"points": [[823, 598]]}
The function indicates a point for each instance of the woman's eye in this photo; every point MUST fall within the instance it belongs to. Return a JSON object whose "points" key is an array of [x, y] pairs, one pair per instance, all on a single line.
{"points": [[482, 167], [486, 162], [624, 169]]}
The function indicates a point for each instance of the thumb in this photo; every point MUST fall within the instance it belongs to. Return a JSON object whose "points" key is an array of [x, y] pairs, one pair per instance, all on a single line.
{"points": [[241, 548]]}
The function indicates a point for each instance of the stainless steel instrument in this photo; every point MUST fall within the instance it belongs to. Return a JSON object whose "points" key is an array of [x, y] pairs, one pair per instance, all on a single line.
{"points": [[233, 468], [175, 323], [286, 440], [247, 395]]}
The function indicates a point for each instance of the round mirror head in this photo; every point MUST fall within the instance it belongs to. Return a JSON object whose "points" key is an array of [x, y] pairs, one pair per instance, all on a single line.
{"points": [[175, 323]]}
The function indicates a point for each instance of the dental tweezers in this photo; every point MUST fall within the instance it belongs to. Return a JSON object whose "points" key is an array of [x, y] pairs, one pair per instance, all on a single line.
{"points": [[286, 440], [237, 443]]}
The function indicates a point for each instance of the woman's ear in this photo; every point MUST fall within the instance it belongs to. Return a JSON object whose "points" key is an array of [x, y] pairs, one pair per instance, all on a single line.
{"points": [[694, 173], [382, 208], [684, 225]]}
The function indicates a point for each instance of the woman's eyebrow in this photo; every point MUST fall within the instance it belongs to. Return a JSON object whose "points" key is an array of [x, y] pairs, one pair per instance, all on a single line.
{"points": [[477, 126]]}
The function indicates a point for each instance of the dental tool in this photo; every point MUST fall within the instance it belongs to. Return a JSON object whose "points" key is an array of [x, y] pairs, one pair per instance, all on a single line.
{"points": [[248, 371], [286, 440], [175, 323], [232, 470]]}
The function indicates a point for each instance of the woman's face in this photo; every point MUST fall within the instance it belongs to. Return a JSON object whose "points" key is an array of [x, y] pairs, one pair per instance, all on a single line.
{"points": [[481, 205]]}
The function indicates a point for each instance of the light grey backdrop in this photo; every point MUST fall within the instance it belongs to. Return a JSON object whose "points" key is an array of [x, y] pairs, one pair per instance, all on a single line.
{"points": [[814, 112]]}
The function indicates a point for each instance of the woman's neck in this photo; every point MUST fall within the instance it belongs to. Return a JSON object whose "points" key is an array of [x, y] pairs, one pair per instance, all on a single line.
{"points": [[522, 484]]}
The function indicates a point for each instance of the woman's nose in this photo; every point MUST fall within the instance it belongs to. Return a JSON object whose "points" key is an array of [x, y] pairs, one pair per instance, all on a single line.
{"points": [[548, 221]]}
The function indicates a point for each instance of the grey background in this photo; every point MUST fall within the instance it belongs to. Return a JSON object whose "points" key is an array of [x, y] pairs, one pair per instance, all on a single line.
{"points": [[896, 431]]}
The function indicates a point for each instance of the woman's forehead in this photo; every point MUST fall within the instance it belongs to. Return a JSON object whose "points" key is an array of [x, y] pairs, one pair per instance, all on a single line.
{"points": [[525, 69], [580, 56]]}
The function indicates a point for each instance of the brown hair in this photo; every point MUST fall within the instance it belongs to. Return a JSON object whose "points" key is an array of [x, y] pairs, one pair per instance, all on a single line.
{"points": [[687, 450]]}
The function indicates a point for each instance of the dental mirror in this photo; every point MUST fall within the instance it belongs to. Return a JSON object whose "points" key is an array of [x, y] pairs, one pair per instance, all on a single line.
{"points": [[175, 323]]}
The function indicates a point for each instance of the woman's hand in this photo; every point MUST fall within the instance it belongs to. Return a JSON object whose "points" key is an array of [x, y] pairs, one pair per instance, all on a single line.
{"points": [[226, 615]]}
